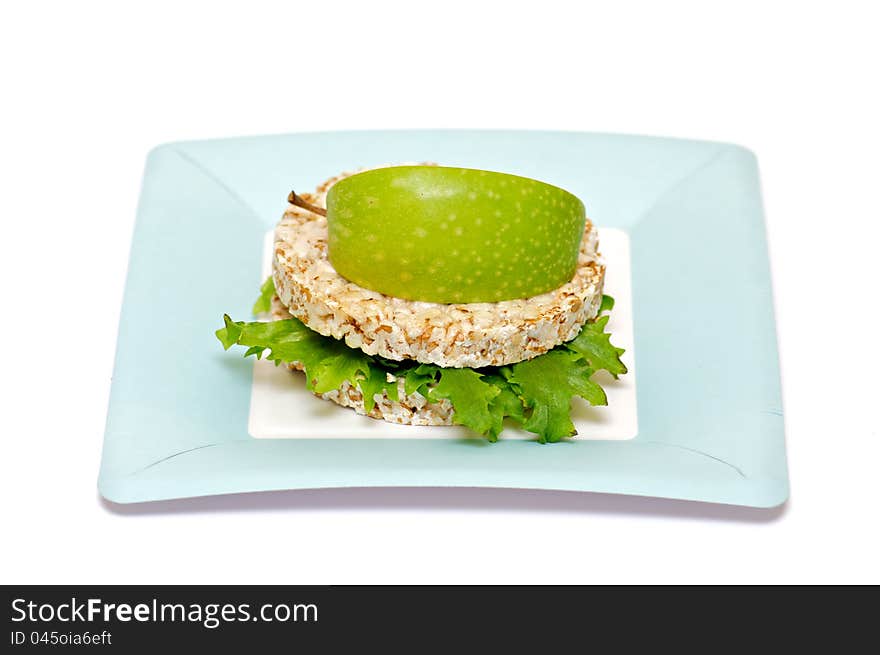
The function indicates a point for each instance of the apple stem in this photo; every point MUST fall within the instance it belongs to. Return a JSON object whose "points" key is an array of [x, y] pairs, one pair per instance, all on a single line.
{"points": [[294, 199]]}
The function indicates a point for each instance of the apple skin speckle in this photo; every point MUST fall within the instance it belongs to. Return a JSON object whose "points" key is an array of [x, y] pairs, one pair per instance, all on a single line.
{"points": [[531, 233]]}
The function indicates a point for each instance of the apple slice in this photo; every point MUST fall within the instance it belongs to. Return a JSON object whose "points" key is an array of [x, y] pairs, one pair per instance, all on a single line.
{"points": [[453, 235]]}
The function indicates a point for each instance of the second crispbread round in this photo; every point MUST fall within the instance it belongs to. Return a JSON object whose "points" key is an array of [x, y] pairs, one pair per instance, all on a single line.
{"points": [[450, 335]]}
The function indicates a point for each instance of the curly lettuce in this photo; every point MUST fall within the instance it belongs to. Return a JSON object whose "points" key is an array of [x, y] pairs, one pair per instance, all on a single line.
{"points": [[264, 302], [536, 393]]}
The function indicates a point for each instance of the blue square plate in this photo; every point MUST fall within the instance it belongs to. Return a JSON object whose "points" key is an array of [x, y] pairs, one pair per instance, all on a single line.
{"points": [[709, 407]]}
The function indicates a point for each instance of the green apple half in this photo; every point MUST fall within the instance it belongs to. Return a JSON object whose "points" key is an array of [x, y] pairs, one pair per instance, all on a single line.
{"points": [[453, 235]]}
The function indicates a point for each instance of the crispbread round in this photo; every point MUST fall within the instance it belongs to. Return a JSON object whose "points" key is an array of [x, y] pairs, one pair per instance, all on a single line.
{"points": [[455, 335]]}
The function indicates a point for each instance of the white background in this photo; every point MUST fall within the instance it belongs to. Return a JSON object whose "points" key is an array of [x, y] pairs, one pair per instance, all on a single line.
{"points": [[89, 87]]}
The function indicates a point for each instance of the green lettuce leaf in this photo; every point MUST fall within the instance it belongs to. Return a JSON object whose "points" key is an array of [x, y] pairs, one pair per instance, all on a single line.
{"points": [[507, 404], [264, 302], [375, 383], [327, 362], [470, 395], [536, 393], [594, 345], [546, 385], [418, 378]]}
